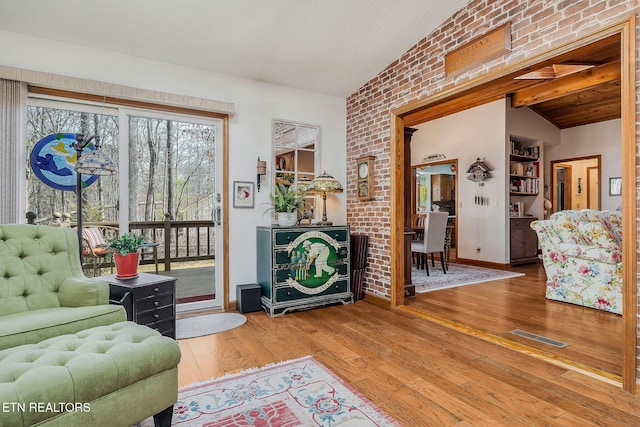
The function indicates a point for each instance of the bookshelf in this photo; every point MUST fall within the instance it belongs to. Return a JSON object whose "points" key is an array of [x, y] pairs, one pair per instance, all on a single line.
{"points": [[526, 191], [524, 175]]}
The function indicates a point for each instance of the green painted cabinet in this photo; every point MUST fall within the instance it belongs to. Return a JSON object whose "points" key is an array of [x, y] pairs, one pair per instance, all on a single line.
{"points": [[303, 267]]}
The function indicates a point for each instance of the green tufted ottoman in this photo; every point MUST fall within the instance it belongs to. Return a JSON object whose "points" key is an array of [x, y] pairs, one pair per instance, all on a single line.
{"points": [[114, 375]]}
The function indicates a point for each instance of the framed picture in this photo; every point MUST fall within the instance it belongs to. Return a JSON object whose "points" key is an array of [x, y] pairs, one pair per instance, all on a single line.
{"points": [[615, 186], [243, 194]]}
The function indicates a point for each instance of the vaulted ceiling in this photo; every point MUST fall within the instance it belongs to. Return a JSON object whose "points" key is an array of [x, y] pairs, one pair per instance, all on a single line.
{"points": [[331, 47]]}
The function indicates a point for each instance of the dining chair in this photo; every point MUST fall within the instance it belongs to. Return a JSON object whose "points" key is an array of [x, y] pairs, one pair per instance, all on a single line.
{"points": [[418, 234], [435, 231]]}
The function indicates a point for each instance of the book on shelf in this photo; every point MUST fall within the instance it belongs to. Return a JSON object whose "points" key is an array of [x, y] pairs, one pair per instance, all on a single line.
{"points": [[516, 209], [517, 169]]}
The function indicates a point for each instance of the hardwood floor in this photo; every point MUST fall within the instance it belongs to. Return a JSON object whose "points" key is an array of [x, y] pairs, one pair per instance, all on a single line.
{"points": [[419, 372], [594, 336]]}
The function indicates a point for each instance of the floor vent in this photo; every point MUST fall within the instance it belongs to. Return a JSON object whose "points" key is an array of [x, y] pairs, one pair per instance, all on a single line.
{"points": [[539, 338]]}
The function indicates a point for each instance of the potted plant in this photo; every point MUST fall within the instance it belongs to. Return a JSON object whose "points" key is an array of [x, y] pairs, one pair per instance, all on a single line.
{"points": [[286, 202], [126, 254]]}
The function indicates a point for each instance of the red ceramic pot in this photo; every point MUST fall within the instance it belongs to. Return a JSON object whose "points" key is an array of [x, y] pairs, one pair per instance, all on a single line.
{"points": [[127, 265]]}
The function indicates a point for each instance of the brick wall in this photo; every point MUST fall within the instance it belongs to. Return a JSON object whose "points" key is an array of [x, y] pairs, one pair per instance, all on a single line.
{"points": [[536, 27]]}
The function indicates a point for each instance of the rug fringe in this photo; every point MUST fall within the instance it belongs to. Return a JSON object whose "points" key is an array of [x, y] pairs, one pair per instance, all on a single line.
{"points": [[243, 372]]}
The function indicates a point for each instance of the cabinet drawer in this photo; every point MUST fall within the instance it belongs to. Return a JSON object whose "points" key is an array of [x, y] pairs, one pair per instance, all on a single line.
{"points": [[154, 316], [154, 303], [152, 291], [290, 294], [286, 236], [519, 223]]}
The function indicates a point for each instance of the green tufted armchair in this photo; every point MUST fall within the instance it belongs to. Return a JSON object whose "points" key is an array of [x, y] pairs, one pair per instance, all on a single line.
{"points": [[43, 291]]}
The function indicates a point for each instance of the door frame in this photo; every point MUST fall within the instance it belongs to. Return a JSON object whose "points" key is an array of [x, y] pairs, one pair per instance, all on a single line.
{"points": [[626, 30], [590, 184], [566, 163]]}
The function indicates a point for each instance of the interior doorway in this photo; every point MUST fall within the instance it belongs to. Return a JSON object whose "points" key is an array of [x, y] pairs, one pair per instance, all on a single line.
{"points": [[575, 183], [561, 187], [489, 88]]}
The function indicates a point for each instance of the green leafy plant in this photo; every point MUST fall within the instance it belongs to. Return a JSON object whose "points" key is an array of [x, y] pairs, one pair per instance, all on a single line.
{"points": [[126, 243], [286, 199]]}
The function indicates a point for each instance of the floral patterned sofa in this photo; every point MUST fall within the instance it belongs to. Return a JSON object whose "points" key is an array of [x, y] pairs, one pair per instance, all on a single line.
{"points": [[582, 256]]}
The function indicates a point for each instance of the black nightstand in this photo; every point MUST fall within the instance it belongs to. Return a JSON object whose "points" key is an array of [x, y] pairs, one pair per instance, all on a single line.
{"points": [[149, 300]]}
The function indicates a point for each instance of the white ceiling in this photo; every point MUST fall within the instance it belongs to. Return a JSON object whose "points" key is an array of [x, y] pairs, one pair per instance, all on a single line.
{"points": [[326, 46]]}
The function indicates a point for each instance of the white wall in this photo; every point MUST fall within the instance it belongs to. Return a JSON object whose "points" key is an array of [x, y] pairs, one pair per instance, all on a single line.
{"points": [[467, 135], [604, 138], [256, 104]]}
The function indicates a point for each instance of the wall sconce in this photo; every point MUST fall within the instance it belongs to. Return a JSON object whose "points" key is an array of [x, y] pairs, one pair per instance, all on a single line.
{"points": [[579, 185], [262, 170]]}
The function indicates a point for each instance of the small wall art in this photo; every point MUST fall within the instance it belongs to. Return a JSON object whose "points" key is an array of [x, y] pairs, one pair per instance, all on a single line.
{"points": [[615, 186], [243, 194]]}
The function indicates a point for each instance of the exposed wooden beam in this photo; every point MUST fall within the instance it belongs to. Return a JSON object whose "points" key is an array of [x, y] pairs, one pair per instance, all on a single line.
{"points": [[560, 87]]}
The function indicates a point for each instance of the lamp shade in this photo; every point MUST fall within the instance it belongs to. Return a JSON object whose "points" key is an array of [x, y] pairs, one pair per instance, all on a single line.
{"points": [[262, 167], [324, 183], [95, 162], [303, 184]]}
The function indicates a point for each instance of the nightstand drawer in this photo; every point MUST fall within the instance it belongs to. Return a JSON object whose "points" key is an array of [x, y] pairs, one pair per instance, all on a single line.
{"points": [[151, 303], [153, 291], [154, 316]]}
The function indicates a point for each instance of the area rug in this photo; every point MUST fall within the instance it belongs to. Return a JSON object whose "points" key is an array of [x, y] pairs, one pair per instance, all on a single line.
{"points": [[457, 275], [300, 392], [197, 326]]}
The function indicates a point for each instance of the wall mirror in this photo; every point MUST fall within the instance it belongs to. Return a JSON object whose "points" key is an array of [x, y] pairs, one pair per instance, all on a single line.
{"points": [[296, 151], [296, 154], [435, 187]]}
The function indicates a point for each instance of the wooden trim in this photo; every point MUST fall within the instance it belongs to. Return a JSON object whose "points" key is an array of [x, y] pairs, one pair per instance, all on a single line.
{"points": [[124, 102], [376, 300], [573, 83], [225, 210], [479, 263], [397, 211], [461, 87], [629, 205], [589, 184], [626, 28]]}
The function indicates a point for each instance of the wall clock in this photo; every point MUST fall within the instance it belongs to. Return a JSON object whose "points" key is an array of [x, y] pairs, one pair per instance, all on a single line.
{"points": [[365, 175]]}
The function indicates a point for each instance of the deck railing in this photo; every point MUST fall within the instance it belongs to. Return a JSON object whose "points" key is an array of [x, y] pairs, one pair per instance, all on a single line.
{"points": [[179, 241]]}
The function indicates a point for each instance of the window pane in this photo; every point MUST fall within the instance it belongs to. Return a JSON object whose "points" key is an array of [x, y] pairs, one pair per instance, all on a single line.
{"points": [[172, 169], [100, 196]]}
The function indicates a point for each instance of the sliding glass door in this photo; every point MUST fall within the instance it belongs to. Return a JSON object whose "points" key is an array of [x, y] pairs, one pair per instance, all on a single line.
{"points": [[172, 196], [167, 188]]}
